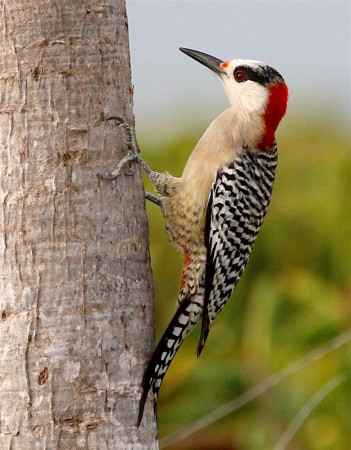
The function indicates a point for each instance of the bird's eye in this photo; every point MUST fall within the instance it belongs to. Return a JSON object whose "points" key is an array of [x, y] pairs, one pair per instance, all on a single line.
{"points": [[239, 76]]}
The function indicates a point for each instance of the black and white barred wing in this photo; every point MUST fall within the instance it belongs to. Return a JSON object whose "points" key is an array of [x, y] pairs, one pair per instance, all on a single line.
{"points": [[237, 206]]}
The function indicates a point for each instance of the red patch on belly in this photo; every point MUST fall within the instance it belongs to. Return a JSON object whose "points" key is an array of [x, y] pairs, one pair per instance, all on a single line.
{"points": [[184, 277]]}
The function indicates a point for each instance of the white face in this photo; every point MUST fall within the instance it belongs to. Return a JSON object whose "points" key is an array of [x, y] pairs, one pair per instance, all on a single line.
{"points": [[247, 96]]}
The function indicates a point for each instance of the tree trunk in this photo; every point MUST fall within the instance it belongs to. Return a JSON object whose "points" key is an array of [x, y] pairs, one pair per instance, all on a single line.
{"points": [[76, 295]]}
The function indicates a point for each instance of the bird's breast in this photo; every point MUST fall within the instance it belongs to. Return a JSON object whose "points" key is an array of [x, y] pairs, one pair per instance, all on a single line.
{"points": [[185, 213]]}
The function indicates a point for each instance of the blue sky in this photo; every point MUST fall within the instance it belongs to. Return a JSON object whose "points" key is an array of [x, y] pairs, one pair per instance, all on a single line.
{"points": [[308, 42]]}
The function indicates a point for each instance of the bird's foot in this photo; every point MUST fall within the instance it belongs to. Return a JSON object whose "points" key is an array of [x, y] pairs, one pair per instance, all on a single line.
{"points": [[132, 154]]}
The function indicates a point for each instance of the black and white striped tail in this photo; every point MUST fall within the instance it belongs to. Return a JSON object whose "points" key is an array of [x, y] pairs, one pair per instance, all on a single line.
{"points": [[184, 320]]}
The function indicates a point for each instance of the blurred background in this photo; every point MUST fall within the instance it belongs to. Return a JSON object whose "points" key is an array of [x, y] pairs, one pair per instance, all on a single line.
{"points": [[295, 294]]}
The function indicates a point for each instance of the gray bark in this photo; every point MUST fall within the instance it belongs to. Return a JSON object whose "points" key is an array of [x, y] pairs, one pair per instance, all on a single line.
{"points": [[76, 295]]}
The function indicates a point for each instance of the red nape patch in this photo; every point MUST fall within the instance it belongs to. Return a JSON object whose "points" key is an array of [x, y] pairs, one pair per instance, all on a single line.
{"points": [[276, 108], [224, 64]]}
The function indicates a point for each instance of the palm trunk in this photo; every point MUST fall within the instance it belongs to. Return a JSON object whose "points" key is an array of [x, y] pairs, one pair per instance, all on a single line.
{"points": [[76, 295]]}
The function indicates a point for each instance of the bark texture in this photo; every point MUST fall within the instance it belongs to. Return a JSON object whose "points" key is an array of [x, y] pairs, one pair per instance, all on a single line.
{"points": [[76, 296]]}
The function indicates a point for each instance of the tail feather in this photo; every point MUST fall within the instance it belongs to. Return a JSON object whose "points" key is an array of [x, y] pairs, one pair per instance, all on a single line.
{"points": [[205, 329], [184, 320]]}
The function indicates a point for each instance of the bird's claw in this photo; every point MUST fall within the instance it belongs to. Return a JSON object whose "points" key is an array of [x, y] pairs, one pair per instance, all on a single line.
{"points": [[132, 154], [123, 124], [114, 174]]}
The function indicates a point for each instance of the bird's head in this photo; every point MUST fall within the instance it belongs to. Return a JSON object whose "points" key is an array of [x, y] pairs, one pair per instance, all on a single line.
{"points": [[254, 89]]}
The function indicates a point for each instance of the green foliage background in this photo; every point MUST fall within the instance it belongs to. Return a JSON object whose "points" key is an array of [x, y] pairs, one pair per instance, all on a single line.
{"points": [[294, 296]]}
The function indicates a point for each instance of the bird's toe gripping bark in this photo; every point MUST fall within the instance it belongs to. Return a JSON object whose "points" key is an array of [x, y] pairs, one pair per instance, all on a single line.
{"points": [[132, 153]]}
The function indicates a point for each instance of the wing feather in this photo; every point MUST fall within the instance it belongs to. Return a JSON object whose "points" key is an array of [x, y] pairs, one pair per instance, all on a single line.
{"points": [[237, 205]]}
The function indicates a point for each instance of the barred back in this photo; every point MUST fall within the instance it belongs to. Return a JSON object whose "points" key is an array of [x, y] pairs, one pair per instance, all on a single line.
{"points": [[238, 204]]}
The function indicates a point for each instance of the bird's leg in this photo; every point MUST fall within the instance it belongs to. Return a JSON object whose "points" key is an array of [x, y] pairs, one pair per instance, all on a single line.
{"points": [[133, 155]]}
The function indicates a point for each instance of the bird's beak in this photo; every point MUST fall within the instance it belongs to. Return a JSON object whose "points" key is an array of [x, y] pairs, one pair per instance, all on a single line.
{"points": [[207, 60]]}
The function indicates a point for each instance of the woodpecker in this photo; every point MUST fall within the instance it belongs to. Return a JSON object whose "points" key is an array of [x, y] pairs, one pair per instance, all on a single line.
{"points": [[214, 211]]}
